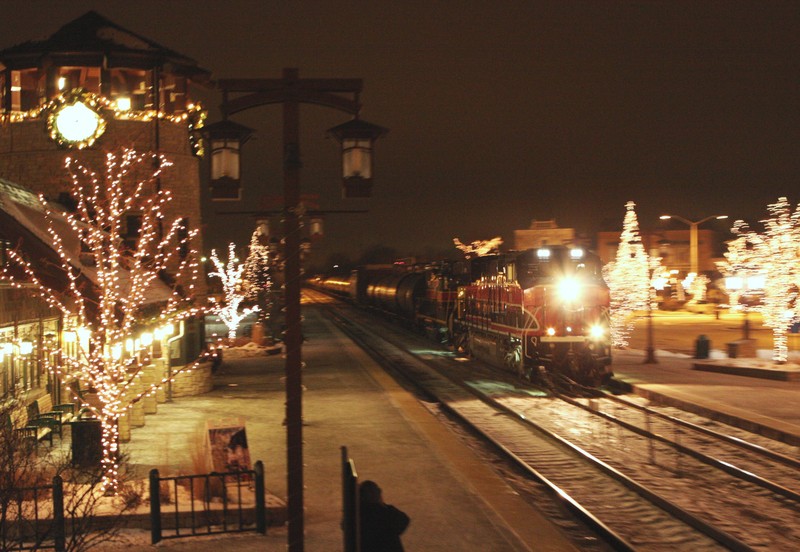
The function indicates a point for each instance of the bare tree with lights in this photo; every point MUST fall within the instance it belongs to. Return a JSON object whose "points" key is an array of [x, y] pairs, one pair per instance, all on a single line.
{"points": [[628, 278], [230, 273], [479, 248], [775, 254], [742, 276], [110, 285], [697, 286]]}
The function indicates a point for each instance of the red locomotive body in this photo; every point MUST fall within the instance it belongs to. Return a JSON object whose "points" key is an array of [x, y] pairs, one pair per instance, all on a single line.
{"points": [[541, 309]]}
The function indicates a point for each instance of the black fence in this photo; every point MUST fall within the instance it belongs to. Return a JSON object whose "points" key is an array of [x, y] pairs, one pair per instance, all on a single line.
{"points": [[33, 521], [206, 504], [33, 518]]}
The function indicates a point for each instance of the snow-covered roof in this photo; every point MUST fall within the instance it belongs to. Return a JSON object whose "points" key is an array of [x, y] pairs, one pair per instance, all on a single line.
{"points": [[24, 206]]}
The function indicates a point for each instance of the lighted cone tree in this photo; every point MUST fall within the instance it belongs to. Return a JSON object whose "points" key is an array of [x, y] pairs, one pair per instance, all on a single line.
{"points": [[231, 275], [109, 286], [256, 280], [479, 248], [775, 254], [628, 278]]}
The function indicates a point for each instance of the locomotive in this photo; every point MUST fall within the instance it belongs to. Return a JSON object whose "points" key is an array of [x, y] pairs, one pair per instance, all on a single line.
{"points": [[539, 312]]}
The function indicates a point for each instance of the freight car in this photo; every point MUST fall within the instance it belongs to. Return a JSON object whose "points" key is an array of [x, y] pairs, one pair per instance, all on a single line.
{"points": [[539, 312]]}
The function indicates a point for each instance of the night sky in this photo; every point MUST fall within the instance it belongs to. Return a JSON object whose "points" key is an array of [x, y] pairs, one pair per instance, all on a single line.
{"points": [[500, 112]]}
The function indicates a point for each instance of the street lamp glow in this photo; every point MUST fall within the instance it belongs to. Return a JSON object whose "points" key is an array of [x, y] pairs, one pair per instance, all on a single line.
{"points": [[25, 347], [734, 282], [693, 224]]}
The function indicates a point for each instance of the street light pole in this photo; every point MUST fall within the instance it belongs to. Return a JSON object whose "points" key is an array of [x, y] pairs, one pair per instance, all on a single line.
{"points": [[693, 236], [293, 336], [290, 91]]}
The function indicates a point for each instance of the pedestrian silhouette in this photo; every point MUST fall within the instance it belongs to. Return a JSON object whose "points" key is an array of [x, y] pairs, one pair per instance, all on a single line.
{"points": [[381, 523]]}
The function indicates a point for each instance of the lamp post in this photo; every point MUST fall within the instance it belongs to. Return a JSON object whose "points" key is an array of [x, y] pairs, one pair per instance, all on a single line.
{"points": [[290, 91], [655, 284], [693, 235]]}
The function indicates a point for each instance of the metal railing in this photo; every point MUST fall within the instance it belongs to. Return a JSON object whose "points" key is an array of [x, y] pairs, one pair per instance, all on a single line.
{"points": [[33, 518], [25, 523], [207, 504]]}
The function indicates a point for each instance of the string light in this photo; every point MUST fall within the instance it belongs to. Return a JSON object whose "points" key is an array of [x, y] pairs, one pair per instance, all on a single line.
{"points": [[231, 276], [628, 278], [479, 248], [257, 281], [194, 116], [774, 257], [104, 315]]}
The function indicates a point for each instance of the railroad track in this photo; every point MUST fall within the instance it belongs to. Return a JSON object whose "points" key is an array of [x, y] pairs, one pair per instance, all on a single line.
{"points": [[641, 479], [765, 464]]}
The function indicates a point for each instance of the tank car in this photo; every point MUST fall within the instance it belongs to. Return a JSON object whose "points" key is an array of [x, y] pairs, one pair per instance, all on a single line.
{"points": [[537, 311]]}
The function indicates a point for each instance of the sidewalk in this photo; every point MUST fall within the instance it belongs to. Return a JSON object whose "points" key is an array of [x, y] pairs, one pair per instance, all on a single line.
{"points": [[452, 498], [455, 502]]}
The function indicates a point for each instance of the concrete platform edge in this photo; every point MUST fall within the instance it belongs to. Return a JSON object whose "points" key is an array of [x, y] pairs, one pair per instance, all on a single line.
{"points": [[725, 367], [740, 420]]}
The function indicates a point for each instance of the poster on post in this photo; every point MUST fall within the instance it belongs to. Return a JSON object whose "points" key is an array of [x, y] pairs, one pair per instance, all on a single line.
{"points": [[227, 445]]}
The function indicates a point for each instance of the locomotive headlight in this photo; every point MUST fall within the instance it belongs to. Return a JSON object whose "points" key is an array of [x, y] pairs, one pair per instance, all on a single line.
{"points": [[568, 289], [551, 331], [597, 331]]}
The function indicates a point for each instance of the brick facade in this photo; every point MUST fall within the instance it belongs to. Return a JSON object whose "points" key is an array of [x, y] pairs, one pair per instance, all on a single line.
{"points": [[28, 156]]}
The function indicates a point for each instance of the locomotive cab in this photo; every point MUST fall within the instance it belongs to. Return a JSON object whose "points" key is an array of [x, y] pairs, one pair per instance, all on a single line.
{"points": [[539, 308]]}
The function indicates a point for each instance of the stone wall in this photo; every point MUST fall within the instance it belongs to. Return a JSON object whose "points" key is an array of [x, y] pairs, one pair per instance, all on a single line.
{"points": [[185, 384], [194, 382]]}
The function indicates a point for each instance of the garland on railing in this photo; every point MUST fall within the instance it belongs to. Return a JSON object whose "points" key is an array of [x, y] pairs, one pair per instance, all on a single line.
{"points": [[194, 116]]}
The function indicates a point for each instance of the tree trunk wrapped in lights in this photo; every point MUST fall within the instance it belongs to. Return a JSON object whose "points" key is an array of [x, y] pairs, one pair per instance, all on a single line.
{"points": [[628, 279], [775, 255], [111, 288], [231, 276]]}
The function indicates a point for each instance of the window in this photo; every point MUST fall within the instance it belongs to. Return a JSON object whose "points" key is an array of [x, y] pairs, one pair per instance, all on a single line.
{"points": [[183, 235], [133, 226], [5, 247]]}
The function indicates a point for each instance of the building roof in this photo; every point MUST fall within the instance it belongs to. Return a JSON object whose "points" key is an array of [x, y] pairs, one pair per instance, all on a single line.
{"points": [[23, 218], [93, 40]]}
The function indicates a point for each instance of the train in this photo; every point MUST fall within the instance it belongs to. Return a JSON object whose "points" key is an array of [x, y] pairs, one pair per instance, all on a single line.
{"points": [[539, 313]]}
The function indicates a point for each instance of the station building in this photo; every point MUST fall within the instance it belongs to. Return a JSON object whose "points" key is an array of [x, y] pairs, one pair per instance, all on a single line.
{"points": [[89, 89]]}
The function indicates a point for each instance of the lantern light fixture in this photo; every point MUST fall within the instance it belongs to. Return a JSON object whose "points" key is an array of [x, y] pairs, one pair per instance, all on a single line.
{"points": [[226, 139], [25, 347], [357, 138], [315, 228]]}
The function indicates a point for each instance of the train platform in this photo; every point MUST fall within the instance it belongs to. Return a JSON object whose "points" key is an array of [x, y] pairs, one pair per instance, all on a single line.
{"points": [[752, 393], [455, 501]]}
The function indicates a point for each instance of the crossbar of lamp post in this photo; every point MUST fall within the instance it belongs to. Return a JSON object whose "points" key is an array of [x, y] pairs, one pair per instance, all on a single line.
{"points": [[693, 236]]}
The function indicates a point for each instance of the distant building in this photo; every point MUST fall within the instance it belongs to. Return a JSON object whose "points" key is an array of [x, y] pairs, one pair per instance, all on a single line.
{"points": [[92, 87], [673, 246], [541, 233]]}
